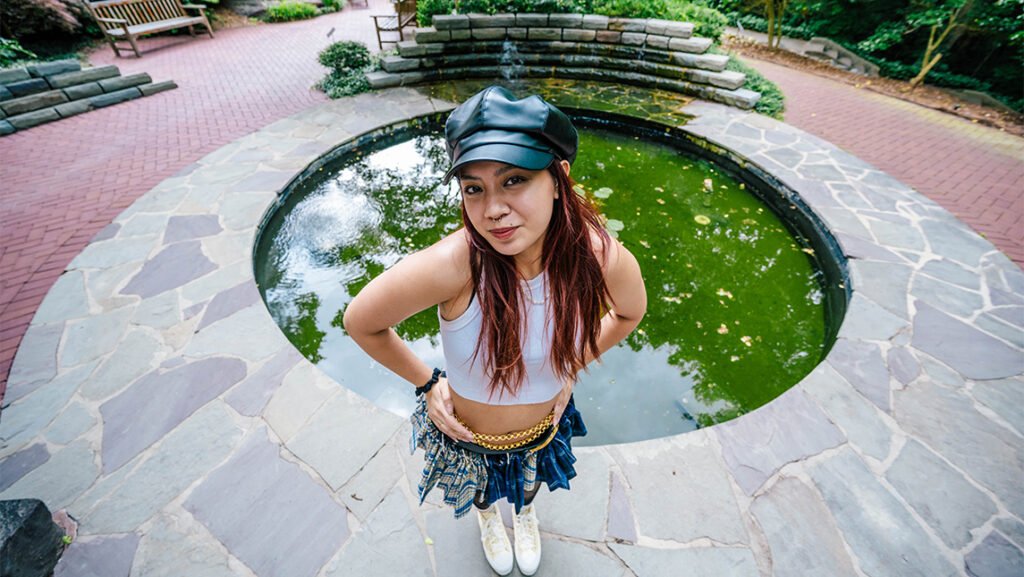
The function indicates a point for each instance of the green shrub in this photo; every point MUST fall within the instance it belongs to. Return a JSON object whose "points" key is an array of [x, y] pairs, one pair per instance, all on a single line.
{"points": [[333, 6], [349, 62], [344, 57], [12, 52], [631, 8], [759, 24], [707, 22], [289, 10], [338, 84]]}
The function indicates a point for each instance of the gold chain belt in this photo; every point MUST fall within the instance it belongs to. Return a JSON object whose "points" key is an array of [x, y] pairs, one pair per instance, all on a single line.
{"points": [[499, 442]]}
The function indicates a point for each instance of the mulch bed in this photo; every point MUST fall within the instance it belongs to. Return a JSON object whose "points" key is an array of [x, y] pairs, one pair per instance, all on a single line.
{"points": [[1010, 122]]}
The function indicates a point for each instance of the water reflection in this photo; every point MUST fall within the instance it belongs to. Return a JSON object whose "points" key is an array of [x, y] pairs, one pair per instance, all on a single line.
{"points": [[734, 315]]}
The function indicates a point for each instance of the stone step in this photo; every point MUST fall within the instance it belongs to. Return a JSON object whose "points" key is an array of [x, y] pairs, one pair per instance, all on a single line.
{"points": [[844, 62], [83, 76], [715, 62], [723, 79], [25, 104], [741, 98]]}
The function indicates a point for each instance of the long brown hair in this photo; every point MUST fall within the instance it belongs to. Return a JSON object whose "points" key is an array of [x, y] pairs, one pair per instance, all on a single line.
{"points": [[577, 294]]}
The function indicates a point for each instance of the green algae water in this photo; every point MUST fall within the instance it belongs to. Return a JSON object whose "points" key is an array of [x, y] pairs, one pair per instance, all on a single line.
{"points": [[735, 309]]}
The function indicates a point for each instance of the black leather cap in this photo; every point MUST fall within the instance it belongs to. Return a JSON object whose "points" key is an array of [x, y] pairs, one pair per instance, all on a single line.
{"points": [[494, 125]]}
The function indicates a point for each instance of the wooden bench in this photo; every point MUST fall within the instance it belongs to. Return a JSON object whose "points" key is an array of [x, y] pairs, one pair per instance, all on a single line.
{"points": [[123, 20], [404, 16]]}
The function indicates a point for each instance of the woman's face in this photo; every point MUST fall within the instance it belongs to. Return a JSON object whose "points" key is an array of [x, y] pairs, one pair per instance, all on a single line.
{"points": [[509, 206]]}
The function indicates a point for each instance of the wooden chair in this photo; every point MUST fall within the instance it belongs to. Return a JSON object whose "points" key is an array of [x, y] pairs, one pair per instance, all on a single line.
{"points": [[126, 20], [404, 17]]}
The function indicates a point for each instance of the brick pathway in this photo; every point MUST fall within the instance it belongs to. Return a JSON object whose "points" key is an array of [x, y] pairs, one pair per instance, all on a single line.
{"points": [[63, 182], [974, 171]]}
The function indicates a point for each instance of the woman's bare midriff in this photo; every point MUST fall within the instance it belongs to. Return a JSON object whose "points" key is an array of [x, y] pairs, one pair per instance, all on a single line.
{"points": [[500, 419]]}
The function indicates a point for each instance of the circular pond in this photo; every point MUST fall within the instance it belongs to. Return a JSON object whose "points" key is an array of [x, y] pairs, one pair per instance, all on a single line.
{"points": [[739, 306]]}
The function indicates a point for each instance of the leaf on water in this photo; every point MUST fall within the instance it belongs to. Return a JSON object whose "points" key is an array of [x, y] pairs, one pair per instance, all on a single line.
{"points": [[746, 341], [724, 293], [659, 189], [659, 201], [614, 225], [644, 244], [809, 251], [671, 299], [603, 192], [701, 219], [723, 329]]}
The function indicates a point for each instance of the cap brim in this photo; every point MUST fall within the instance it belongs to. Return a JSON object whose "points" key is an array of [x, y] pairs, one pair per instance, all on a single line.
{"points": [[521, 156]]}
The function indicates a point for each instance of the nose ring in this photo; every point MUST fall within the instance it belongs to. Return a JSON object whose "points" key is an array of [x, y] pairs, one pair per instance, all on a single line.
{"points": [[498, 219]]}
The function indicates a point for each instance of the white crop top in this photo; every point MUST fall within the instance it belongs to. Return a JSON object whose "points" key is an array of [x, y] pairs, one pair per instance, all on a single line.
{"points": [[467, 378]]}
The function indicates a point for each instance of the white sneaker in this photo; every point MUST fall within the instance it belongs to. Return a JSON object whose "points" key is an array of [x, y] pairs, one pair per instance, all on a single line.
{"points": [[497, 548], [527, 535]]}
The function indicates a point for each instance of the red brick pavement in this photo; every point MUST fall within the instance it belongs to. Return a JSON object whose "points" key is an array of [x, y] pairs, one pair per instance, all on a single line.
{"points": [[61, 183], [973, 171]]}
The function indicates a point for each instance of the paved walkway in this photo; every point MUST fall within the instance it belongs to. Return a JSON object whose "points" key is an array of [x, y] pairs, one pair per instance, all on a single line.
{"points": [[901, 454]]}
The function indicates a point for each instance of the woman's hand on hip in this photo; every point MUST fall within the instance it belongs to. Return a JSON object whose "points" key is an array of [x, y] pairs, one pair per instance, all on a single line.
{"points": [[441, 411], [561, 401]]}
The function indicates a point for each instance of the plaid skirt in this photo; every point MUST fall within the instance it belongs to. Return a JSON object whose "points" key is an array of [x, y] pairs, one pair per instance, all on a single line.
{"points": [[460, 472]]}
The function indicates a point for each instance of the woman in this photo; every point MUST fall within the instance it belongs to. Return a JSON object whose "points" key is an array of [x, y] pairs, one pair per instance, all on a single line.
{"points": [[528, 292]]}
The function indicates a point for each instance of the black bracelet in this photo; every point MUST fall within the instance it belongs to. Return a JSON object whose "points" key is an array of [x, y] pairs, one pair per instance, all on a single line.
{"points": [[433, 381]]}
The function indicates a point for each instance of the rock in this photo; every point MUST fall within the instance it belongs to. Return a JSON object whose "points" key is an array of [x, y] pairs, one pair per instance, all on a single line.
{"points": [[30, 542], [971, 352]]}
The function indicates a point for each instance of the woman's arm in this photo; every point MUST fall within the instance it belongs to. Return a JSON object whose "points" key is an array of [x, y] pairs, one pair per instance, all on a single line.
{"points": [[628, 294], [419, 281]]}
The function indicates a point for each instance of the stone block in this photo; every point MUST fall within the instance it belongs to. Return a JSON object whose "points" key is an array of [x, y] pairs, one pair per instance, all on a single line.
{"points": [[535, 20], [14, 75], [565, 20], [85, 90], [117, 97], [727, 79], [628, 24], [116, 83], [31, 542], [608, 36], [5, 128], [545, 34], [595, 22], [657, 42], [82, 76], [34, 102], [27, 87], [450, 21], [578, 35], [971, 352], [461, 34], [157, 87], [69, 109], [53, 68], [30, 119], [488, 33], [491, 20], [670, 28], [694, 45], [633, 38], [431, 34], [399, 64], [409, 49], [5, 94], [741, 98]]}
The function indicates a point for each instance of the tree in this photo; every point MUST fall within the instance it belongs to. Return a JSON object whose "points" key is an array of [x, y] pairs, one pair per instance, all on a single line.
{"points": [[773, 12], [940, 17]]}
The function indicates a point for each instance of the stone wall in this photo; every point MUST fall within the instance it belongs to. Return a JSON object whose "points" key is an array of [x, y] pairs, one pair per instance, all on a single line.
{"points": [[653, 53], [54, 90]]}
